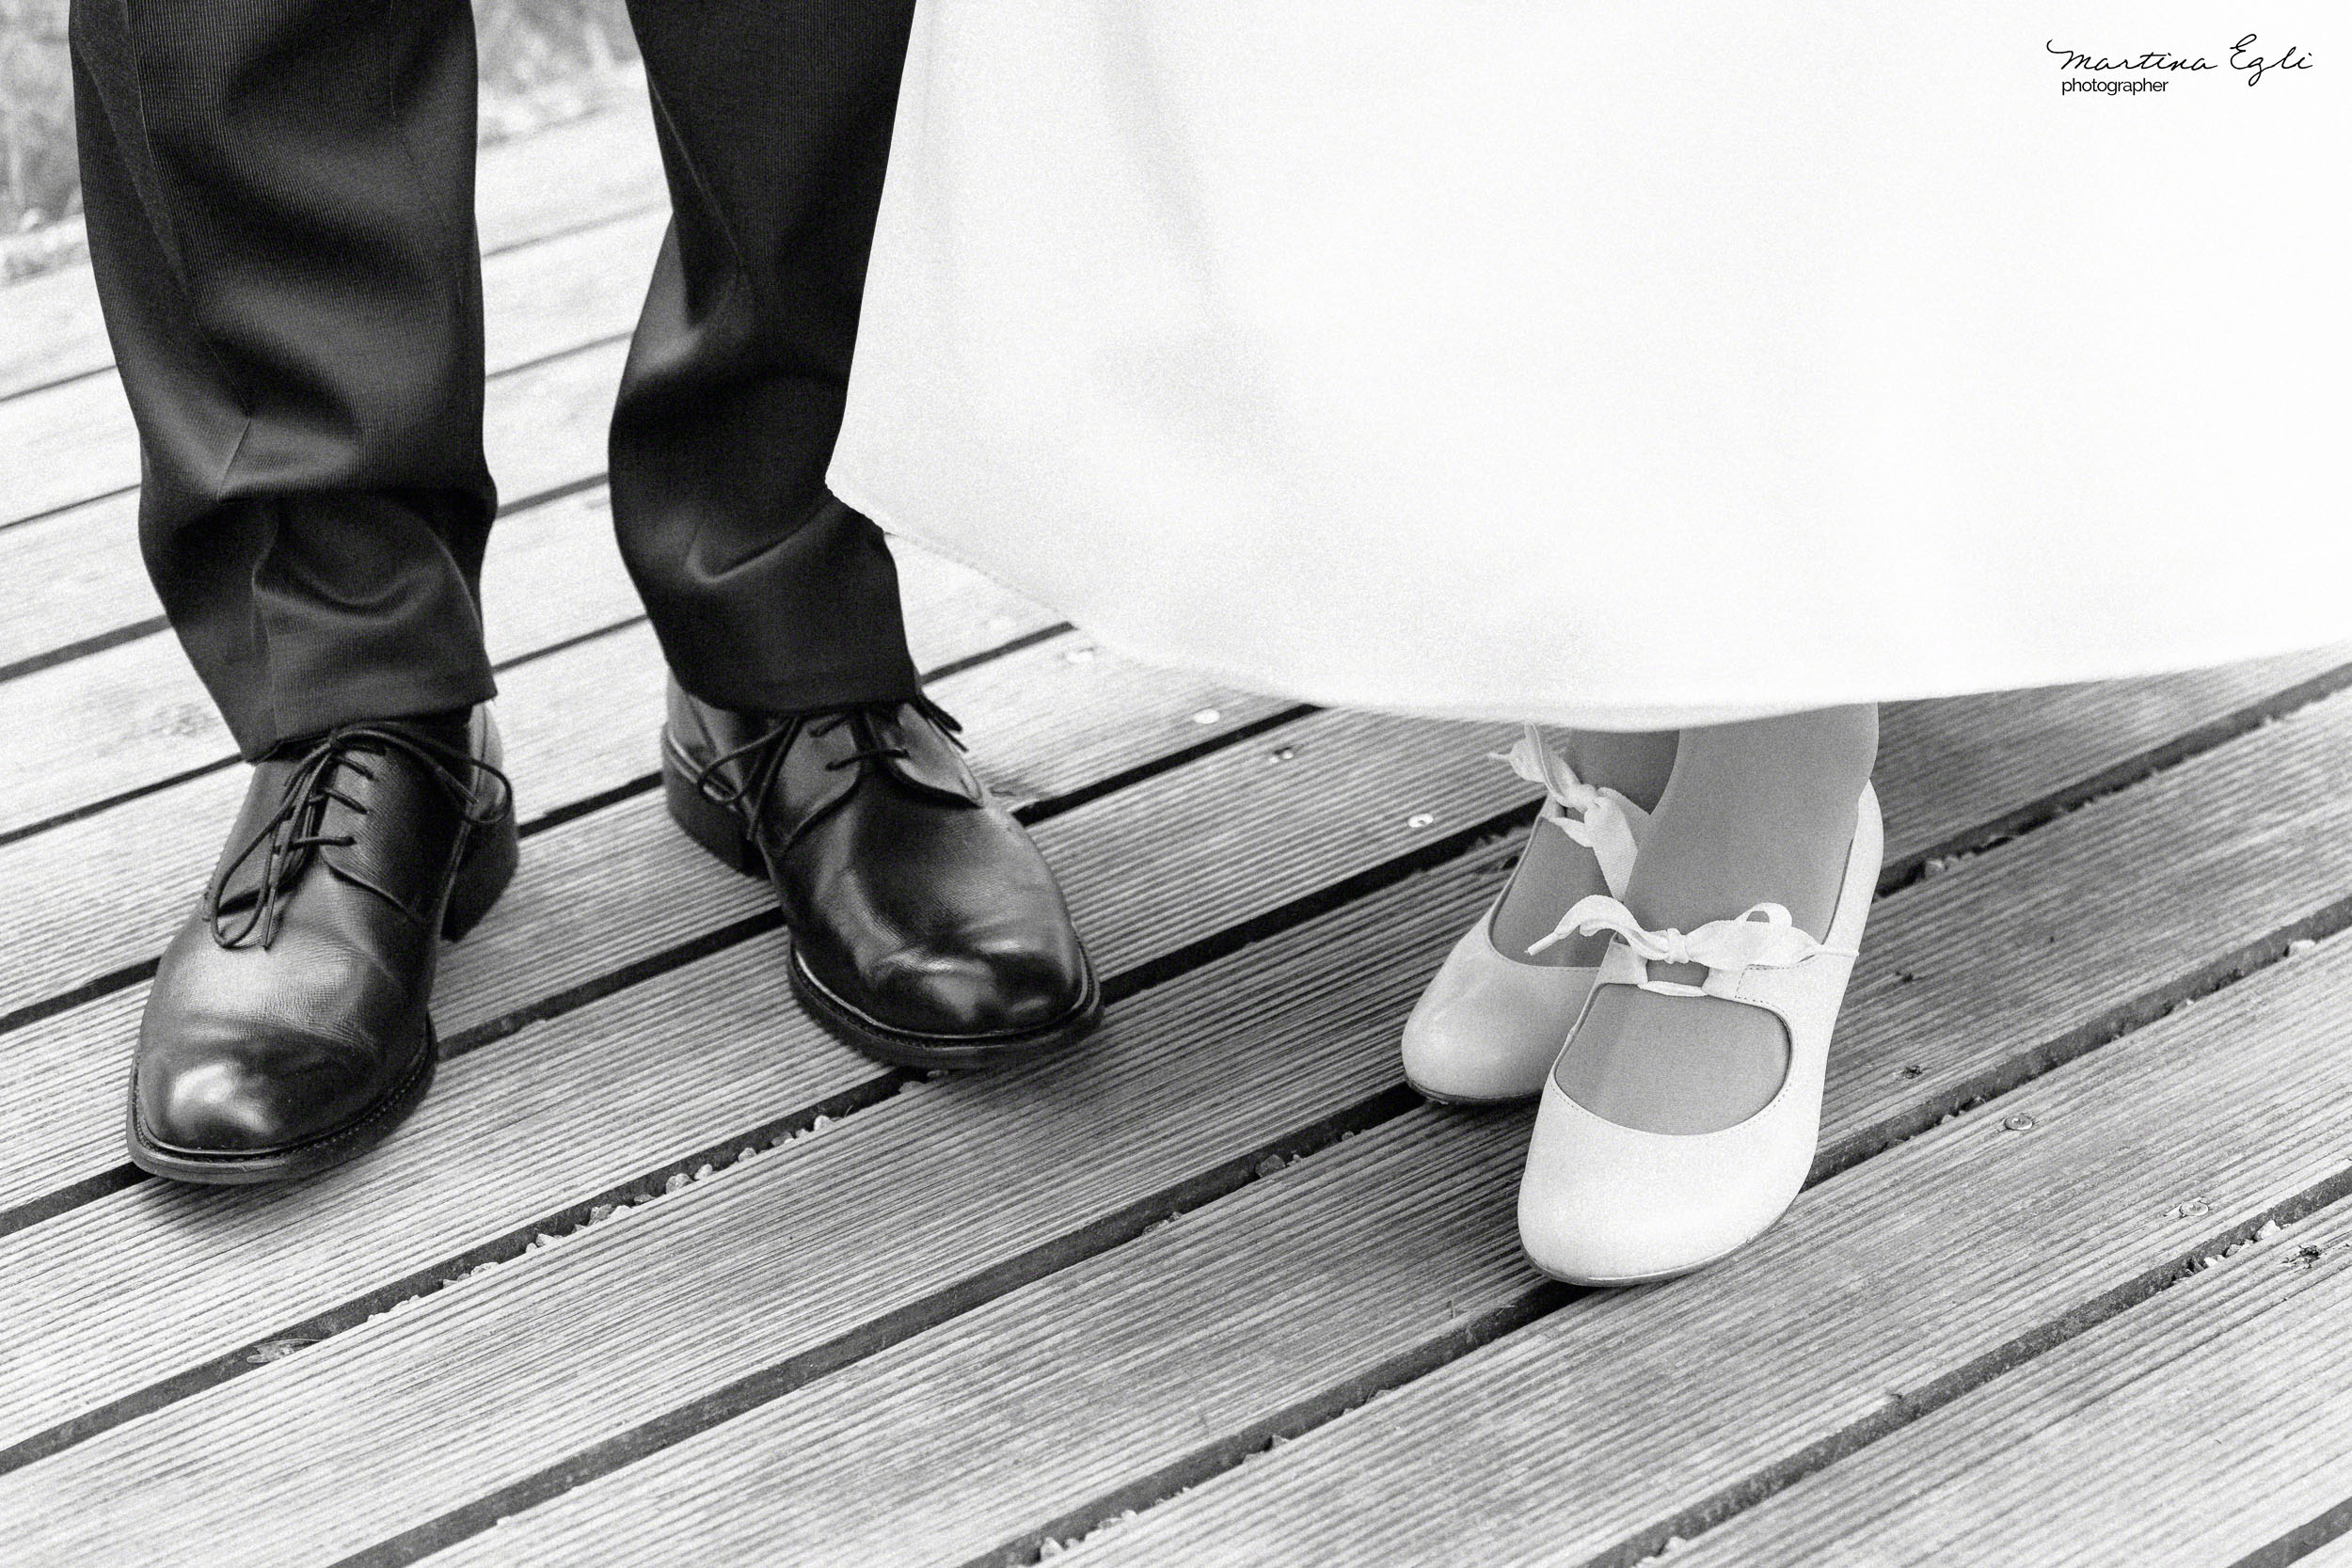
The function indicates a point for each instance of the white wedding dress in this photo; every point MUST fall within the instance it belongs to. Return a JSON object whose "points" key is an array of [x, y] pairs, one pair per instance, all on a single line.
{"points": [[1623, 365]]}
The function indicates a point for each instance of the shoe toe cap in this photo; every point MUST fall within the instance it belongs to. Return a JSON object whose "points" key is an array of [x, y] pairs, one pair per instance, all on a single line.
{"points": [[1487, 1029], [1009, 984], [1602, 1204], [245, 1097], [217, 1107], [1466, 1054]]}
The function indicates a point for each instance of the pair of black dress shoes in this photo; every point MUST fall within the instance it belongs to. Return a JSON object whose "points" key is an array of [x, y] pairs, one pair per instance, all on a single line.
{"points": [[287, 1029]]}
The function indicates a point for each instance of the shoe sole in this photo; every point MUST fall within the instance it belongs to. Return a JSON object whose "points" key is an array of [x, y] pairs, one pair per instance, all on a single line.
{"points": [[908, 1049], [718, 831], [1620, 1282], [1470, 1102], [480, 880]]}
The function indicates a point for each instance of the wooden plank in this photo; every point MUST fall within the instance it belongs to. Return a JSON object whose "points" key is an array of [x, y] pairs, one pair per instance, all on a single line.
{"points": [[132, 716], [626, 1321], [142, 1285], [2193, 1430], [73, 576], [50, 329], [592, 171], [67, 444], [134, 865], [943, 1194], [1940, 1260], [554, 295], [620, 887], [603, 167], [1139, 1375], [2001, 761]]}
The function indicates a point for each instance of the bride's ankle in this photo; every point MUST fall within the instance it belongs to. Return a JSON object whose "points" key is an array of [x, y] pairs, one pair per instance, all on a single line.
{"points": [[1757, 811], [1822, 753]]}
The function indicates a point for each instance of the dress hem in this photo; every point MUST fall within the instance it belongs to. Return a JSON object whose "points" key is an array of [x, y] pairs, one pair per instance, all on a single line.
{"points": [[1574, 714]]}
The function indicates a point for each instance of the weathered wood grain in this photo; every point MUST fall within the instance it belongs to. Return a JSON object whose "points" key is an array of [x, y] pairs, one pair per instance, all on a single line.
{"points": [[2184, 875], [575, 176], [2002, 760], [1942, 1260], [1176, 1350], [2114, 1125], [943, 1192], [2190, 1430], [135, 866], [137, 1288], [620, 887], [1125, 1387], [67, 444], [50, 329], [72, 578]]}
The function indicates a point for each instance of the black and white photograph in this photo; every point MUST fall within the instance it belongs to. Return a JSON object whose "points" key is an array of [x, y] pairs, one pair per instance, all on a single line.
{"points": [[1175, 783]]}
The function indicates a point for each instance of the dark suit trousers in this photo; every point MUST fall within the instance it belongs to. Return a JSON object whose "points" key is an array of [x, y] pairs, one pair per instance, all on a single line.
{"points": [[281, 209]]}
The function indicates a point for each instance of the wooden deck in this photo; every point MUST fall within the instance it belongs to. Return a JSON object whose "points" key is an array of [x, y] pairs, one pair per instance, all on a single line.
{"points": [[661, 1274]]}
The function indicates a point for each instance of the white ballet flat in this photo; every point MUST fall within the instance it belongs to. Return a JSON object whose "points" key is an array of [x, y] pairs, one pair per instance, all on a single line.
{"points": [[1602, 1204], [1489, 1025]]}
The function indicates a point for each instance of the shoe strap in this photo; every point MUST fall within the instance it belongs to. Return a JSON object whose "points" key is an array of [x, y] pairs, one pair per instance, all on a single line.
{"points": [[1763, 937], [1603, 820]]}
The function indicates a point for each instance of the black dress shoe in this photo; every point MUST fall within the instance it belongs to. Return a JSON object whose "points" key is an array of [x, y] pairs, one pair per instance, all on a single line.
{"points": [[287, 1030], [926, 930]]}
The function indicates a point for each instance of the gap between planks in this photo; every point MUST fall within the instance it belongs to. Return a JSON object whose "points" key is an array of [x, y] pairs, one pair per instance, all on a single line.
{"points": [[2324, 1542]]}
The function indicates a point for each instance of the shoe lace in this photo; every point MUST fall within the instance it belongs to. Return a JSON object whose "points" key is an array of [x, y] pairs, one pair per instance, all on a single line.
{"points": [[1604, 822], [1764, 937], [293, 826], [762, 758]]}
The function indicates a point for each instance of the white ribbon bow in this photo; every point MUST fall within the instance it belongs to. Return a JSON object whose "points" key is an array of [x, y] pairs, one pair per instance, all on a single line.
{"points": [[1603, 822], [1764, 938]]}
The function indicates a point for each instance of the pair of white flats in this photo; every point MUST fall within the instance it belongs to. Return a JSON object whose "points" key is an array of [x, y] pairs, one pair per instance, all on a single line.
{"points": [[1601, 1203]]}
